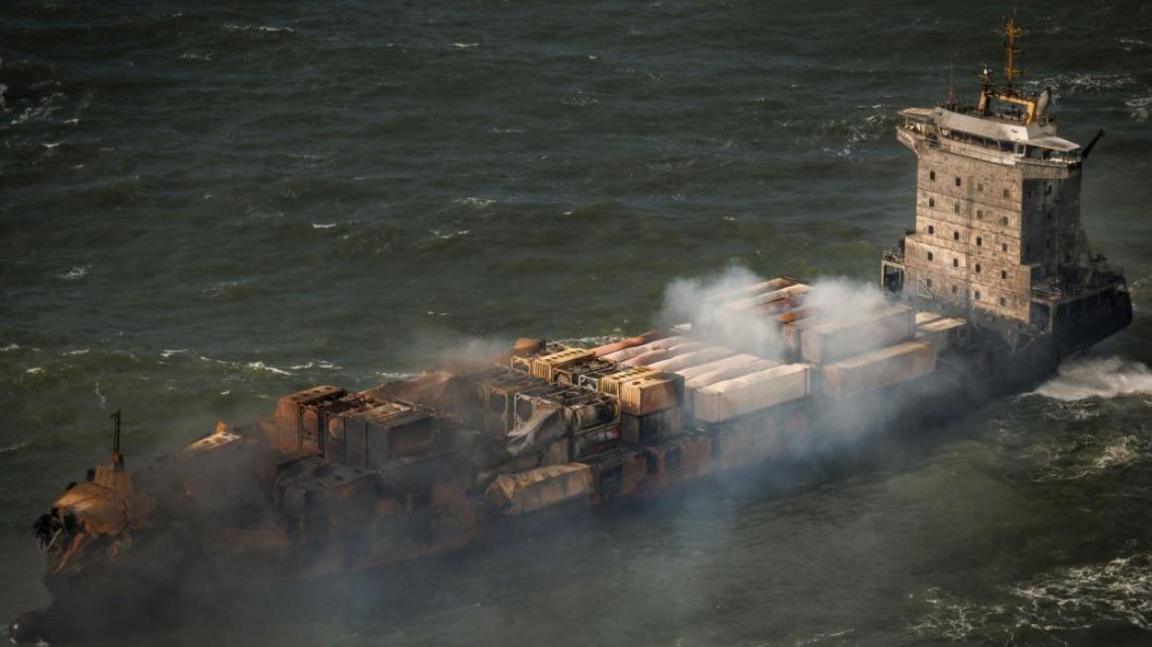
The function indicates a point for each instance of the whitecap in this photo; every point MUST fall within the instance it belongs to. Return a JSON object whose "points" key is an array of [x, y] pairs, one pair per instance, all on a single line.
{"points": [[35, 370], [16, 446], [473, 201], [77, 272], [1139, 107], [50, 145], [80, 351], [1111, 377], [465, 45], [324, 364], [10, 347], [323, 225], [169, 352], [261, 366]]}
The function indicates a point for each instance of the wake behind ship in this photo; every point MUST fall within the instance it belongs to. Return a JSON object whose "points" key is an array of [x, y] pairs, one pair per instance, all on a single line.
{"points": [[993, 286]]}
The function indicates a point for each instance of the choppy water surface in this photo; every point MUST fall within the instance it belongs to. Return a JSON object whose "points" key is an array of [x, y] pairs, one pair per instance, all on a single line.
{"points": [[208, 204]]}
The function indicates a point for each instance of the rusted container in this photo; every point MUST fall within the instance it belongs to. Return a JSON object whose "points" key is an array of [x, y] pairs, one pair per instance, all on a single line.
{"points": [[540, 488], [288, 410], [880, 368], [545, 366], [651, 392], [746, 304], [570, 374], [693, 358], [375, 436], [610, 383], [660, 344], [652, 428], [833, 341], [630, 342], [736, 397]]}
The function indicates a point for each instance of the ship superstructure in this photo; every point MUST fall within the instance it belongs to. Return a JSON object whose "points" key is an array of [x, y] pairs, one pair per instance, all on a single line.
{"points": [[995, 283], [998, 232]]}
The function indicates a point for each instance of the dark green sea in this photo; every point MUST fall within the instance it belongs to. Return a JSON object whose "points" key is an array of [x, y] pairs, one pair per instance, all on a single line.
{"points": [[204, 205]]}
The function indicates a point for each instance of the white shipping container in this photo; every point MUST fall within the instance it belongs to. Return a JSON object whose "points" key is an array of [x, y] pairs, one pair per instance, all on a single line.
{"points": [[735, 360], [659, 344], [694, 358], [731, 398], [835, 340], [942, 333]]}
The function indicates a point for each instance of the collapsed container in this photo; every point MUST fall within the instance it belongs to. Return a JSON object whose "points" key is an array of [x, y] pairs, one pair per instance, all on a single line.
{"points": [[539, 488]]}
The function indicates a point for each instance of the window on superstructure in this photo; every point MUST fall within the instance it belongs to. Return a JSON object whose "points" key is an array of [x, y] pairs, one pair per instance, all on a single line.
{"points": [[1048, 190], [1004, 274], [979, 214], [979, 186], [955, 262], [929, 255], [953, 289], [955, 235], [957, 181], [932, 175], [1003, 301], [1006, 194], [1003, 247], [928, 282], [977, 268], [1028, 192], [1004, 221], [977, 295], [931, 202], [979, 241], [931, 229], [956, 206]]}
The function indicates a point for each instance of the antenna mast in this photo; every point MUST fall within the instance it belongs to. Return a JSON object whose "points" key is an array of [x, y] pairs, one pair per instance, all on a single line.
{"points": [[118, 422], [1011, 32]]}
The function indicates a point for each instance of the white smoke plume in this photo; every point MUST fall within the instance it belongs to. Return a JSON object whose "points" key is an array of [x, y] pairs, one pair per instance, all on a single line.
{"points": [[698, 301]]}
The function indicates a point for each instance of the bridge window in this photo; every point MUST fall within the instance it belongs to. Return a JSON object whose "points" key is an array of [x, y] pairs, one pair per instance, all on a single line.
{"points": [[957, 181], [931, 229], [977, 268], [979, 214], [1004, 274], [953, 289], [928, 282], [977, 295], [1003, 301], [932, 175], [955, 235], [1003, 247], [979, 241], [1004, 220], [929, 255], [955, 262], [931, 202], [1007, 194], [979, 186]]}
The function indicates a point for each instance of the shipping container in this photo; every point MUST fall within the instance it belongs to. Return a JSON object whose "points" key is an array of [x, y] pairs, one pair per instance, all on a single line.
{"points": [[748, 303], [832, 341], [734, 360], [610, 383], [630, 342], [693, 358], [651, 392], [659, 344], [544, 366], [651, 357], [736, 397], [880, 368], [652, 428], [540, 488], [288, 409], [571, 373]]}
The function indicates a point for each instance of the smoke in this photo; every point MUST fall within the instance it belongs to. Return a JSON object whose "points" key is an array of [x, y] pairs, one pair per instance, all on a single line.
{"points": [[699, 302]]}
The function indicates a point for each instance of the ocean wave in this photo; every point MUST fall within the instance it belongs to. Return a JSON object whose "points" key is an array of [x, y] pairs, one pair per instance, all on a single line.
{"points": [[324, 364], [16, 446], [261, 366], [1139, 107], [169, 352], [473, 201], [465, 45], [1062, 599], [9, 347], [323, 225], [1074, 83], [77, 272], [78, 351], [1110, 377], [258, 28]]}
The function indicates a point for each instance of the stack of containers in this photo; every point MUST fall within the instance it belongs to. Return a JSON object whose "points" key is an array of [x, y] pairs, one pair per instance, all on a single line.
{"points": [[650, 403], [738, 396], [831, 341], [880, 368]]}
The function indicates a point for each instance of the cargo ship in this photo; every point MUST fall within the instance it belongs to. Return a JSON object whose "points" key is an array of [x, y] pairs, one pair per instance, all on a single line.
{"points": [[984, 296]]}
